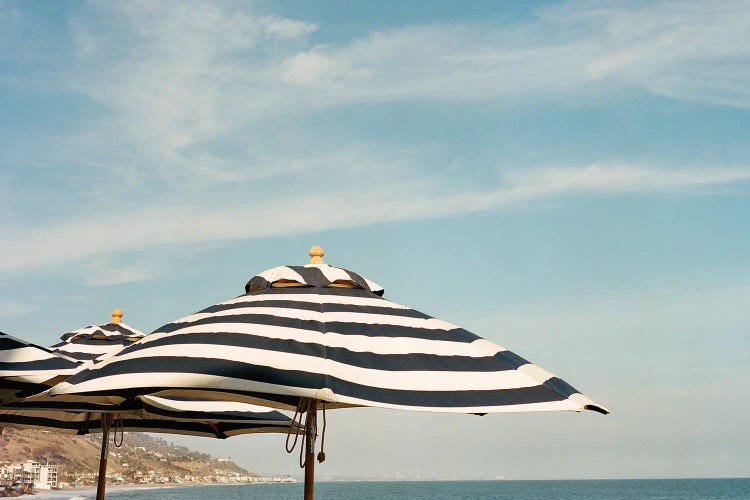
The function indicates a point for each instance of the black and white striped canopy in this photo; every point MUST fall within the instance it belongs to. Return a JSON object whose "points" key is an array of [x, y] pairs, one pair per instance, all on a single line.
{"points": [[153, 414], [27, 369], [96, 342], [322, 332]]}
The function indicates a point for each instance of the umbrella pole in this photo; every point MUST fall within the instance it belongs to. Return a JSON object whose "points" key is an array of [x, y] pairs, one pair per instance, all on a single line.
{"points": [[100, 486], [310, 435]]}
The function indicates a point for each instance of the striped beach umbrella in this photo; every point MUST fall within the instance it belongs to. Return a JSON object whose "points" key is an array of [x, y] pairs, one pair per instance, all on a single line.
{"points": [[27, 369], [308, 336], [96, 342]]}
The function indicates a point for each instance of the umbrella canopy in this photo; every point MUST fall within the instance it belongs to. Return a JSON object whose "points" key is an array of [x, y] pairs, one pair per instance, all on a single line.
{"points": [[27, 368], [154, 414], [96, 342], [325, 333]]}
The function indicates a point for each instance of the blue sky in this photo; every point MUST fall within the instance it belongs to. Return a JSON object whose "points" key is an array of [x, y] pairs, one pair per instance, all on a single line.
{"points": [[570, 180]]}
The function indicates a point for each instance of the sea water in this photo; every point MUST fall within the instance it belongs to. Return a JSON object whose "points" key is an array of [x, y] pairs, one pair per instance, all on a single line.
{"points": [[661, 489]]}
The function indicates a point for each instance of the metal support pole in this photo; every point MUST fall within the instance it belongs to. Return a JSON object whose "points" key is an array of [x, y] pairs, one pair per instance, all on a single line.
{"points": [[100, 486], [311, 432]]}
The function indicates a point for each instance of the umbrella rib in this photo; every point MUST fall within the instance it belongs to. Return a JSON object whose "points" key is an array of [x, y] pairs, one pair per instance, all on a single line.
{"points": [[219, 434], [85, 425]]}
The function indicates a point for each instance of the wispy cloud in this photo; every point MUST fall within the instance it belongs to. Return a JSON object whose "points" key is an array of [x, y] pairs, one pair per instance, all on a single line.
{"points": [[619, 178], [519, 186], [180, 84], [686, 50], [177, 74], [15, 309], [104, 271], [291, 212], [177, 150]]}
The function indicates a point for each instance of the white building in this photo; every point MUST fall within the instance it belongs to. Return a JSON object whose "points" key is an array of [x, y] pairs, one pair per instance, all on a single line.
{"points": [[41, 477]]}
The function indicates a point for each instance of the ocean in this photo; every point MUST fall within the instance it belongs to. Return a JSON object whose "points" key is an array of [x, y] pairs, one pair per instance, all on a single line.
{"points": [[662, 489]]}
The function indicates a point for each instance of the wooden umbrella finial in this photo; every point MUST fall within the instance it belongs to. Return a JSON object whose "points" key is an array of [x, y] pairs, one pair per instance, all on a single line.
{"points": [[117, 316], [316, 254]]}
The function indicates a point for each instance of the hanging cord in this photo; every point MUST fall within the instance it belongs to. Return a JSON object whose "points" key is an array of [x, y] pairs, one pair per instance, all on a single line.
{"points": [[296, 426], [302, 457], [118, 423], [322, 453], [305, 408]]}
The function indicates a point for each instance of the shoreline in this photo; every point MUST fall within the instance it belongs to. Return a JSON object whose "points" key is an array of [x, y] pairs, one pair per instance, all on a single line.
{"points": [[89, 492], [68, 493]]}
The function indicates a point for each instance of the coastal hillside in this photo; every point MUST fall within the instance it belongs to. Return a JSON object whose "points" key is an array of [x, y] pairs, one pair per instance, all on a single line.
{"points": [[140, 458]]}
